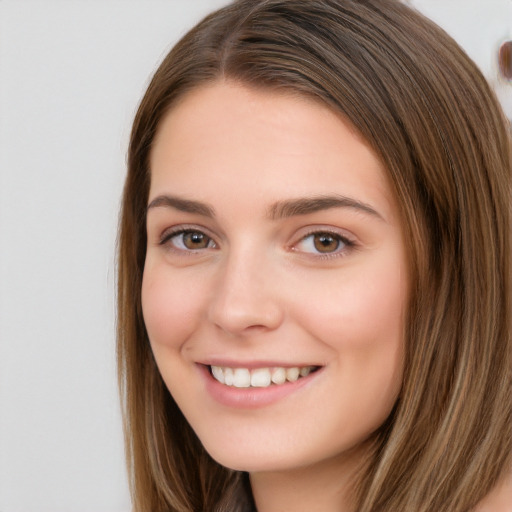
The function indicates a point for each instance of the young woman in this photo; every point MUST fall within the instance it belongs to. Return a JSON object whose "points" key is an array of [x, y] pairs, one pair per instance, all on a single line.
{"points": [[314, 268]]}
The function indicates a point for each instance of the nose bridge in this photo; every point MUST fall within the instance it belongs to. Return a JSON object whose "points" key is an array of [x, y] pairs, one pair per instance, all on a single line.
{"points": [[245, 293]]}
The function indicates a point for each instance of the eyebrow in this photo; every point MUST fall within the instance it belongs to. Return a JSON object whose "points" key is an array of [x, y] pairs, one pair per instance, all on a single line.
{"points": [[307, 205], [183, 205], [278, 210]]}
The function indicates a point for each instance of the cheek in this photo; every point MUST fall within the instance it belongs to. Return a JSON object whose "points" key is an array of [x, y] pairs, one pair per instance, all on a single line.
{"points": [[169, 306], [357, 310], [361, 321]]}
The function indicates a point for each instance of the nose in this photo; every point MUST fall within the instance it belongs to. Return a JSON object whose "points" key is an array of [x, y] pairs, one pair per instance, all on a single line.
{"points": [[245, 298]]}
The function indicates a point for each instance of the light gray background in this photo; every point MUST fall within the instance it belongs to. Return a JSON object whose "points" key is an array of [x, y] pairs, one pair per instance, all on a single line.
{"points": [[71, 75]]}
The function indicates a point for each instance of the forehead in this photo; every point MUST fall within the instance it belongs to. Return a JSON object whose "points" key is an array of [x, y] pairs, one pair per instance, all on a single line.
{"points": [[227, 102], [225, 135]]}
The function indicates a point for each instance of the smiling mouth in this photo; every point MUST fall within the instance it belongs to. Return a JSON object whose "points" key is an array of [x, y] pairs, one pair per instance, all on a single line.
{"points": [[259, 377]]}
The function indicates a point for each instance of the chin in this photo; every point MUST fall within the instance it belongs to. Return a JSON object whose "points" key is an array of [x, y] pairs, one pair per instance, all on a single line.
{"points": [[250, 459], [276, 454]]}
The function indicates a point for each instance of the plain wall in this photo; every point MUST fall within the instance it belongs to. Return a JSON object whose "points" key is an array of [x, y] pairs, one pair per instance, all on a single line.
{"points": [[71, 75]]}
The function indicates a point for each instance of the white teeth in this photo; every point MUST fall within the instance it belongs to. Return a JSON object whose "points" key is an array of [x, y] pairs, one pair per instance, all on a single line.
{"points": [[279, 376], [228, 376], [305, 371], [292, 374], [259, 377], [218, 374], [241, 378]]}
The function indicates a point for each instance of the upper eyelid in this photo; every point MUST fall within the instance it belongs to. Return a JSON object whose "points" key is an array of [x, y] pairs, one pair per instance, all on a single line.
{"points": [[313, 230], [183, 228], [334, 234]]}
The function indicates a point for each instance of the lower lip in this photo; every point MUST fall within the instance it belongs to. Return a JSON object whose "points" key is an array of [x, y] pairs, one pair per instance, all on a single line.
{"points": [[252, 398]]}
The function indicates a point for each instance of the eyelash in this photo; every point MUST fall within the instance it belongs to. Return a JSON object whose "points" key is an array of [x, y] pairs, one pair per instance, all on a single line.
{"points": [[348, 244]]}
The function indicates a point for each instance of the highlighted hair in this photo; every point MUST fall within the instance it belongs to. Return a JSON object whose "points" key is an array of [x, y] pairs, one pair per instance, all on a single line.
{"points": [[430, 116]]}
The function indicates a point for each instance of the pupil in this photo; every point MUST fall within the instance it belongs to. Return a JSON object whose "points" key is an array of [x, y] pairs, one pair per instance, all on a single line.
{"points": [[326, 243]]}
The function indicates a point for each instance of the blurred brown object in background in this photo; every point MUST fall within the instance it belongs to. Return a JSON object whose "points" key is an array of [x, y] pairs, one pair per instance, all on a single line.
{"points": [[505, 59]]}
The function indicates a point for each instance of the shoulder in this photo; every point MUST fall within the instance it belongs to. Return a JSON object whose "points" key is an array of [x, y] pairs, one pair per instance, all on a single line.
{"points": [[499, 499]]}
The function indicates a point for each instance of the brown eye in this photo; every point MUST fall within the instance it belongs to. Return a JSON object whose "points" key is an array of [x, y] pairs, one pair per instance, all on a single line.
{"points": [[188, 240], [194, 240], [325, 242]]}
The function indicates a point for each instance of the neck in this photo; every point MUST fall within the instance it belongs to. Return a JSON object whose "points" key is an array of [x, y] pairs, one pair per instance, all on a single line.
{"points": [[328, 486]]}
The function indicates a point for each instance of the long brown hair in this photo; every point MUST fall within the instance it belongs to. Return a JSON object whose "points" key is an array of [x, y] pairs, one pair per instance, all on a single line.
{"points": [[426, 110]]}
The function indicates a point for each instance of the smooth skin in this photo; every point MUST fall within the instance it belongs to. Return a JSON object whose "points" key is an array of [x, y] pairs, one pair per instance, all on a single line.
{"points": [[245, 265]]}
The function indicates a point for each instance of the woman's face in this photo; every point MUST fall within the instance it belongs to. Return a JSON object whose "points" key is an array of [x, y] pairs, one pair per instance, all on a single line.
{"points": [[275, 278]]}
